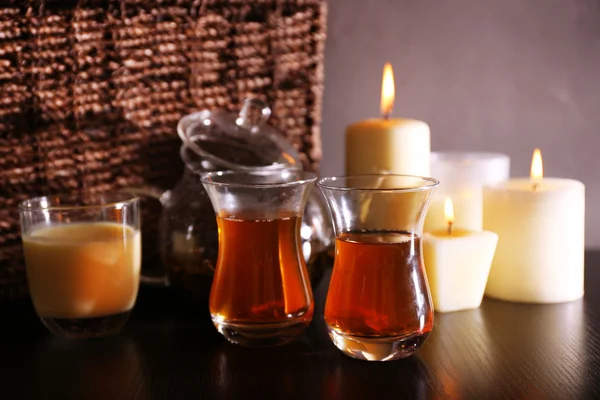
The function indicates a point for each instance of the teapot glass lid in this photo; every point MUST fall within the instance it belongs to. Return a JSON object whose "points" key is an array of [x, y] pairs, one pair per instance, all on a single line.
{"points": [[238, 142]]}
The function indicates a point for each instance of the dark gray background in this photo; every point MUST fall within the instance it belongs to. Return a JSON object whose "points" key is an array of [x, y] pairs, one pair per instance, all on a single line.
{"points": [[488, 75]]}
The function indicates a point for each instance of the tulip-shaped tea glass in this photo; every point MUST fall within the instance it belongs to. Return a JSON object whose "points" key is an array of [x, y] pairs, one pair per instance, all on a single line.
{"points": [[261, 292], [378, 306]]}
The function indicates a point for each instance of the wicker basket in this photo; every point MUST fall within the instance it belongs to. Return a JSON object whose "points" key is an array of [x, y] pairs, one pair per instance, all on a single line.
{"points": [[92, 91]]}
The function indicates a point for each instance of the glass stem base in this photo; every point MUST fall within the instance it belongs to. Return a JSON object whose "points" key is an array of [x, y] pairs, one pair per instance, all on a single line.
{"points": [[377, 348], [261, 335]]}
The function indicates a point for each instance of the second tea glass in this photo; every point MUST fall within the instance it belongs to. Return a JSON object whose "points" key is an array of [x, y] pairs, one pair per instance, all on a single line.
{"points": [[378, 305], [261, 292]]}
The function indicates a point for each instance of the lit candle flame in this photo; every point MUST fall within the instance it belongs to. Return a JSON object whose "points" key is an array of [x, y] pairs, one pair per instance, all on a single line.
{"points": [[388, 91], [537, 168], [449, 214]]}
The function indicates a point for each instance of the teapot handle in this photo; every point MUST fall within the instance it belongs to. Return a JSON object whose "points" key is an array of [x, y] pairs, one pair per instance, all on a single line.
{"points": [[156, 194]]}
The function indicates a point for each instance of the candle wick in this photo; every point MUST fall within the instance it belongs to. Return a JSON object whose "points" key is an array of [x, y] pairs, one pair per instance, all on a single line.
{"points": [[450, 228], [535, 186], [386, 115]]}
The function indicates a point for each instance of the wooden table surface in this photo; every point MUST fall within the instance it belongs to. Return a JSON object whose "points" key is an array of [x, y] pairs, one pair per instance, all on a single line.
{"points": [[171, 351]]}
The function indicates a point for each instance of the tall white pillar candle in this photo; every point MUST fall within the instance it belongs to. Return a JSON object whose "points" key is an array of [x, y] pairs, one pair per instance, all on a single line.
{"points": [[540, 223], [398, 146], [388, 145]]}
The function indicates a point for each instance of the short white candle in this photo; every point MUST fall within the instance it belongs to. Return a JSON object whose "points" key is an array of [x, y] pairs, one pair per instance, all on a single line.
{"points": [[462, 177], [540, 222], [457, 262]]}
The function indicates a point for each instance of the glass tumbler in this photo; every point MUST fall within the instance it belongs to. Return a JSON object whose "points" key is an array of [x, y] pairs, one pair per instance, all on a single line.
{"points": [[378, 305], [83, 260], [261, 292]]}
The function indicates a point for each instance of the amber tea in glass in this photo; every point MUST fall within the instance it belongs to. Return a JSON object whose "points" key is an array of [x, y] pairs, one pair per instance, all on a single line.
{"points": [[261, 291], [270, 262], [382, 264], [378, 305]]}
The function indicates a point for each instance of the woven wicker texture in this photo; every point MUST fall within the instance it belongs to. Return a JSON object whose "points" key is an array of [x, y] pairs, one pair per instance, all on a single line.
{"points": [[92, 91]]}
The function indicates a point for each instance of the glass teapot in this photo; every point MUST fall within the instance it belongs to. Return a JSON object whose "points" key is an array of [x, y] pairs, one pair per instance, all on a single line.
{"points": [[213, 141]]}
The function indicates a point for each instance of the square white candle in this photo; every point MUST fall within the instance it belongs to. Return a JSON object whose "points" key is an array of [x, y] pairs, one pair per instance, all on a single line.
{"points": [[457, 267]]}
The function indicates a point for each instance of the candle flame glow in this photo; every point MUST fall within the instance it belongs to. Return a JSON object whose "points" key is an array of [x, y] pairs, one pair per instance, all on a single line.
{"points": [[449, 212], [537, 167], [388, 91]]}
